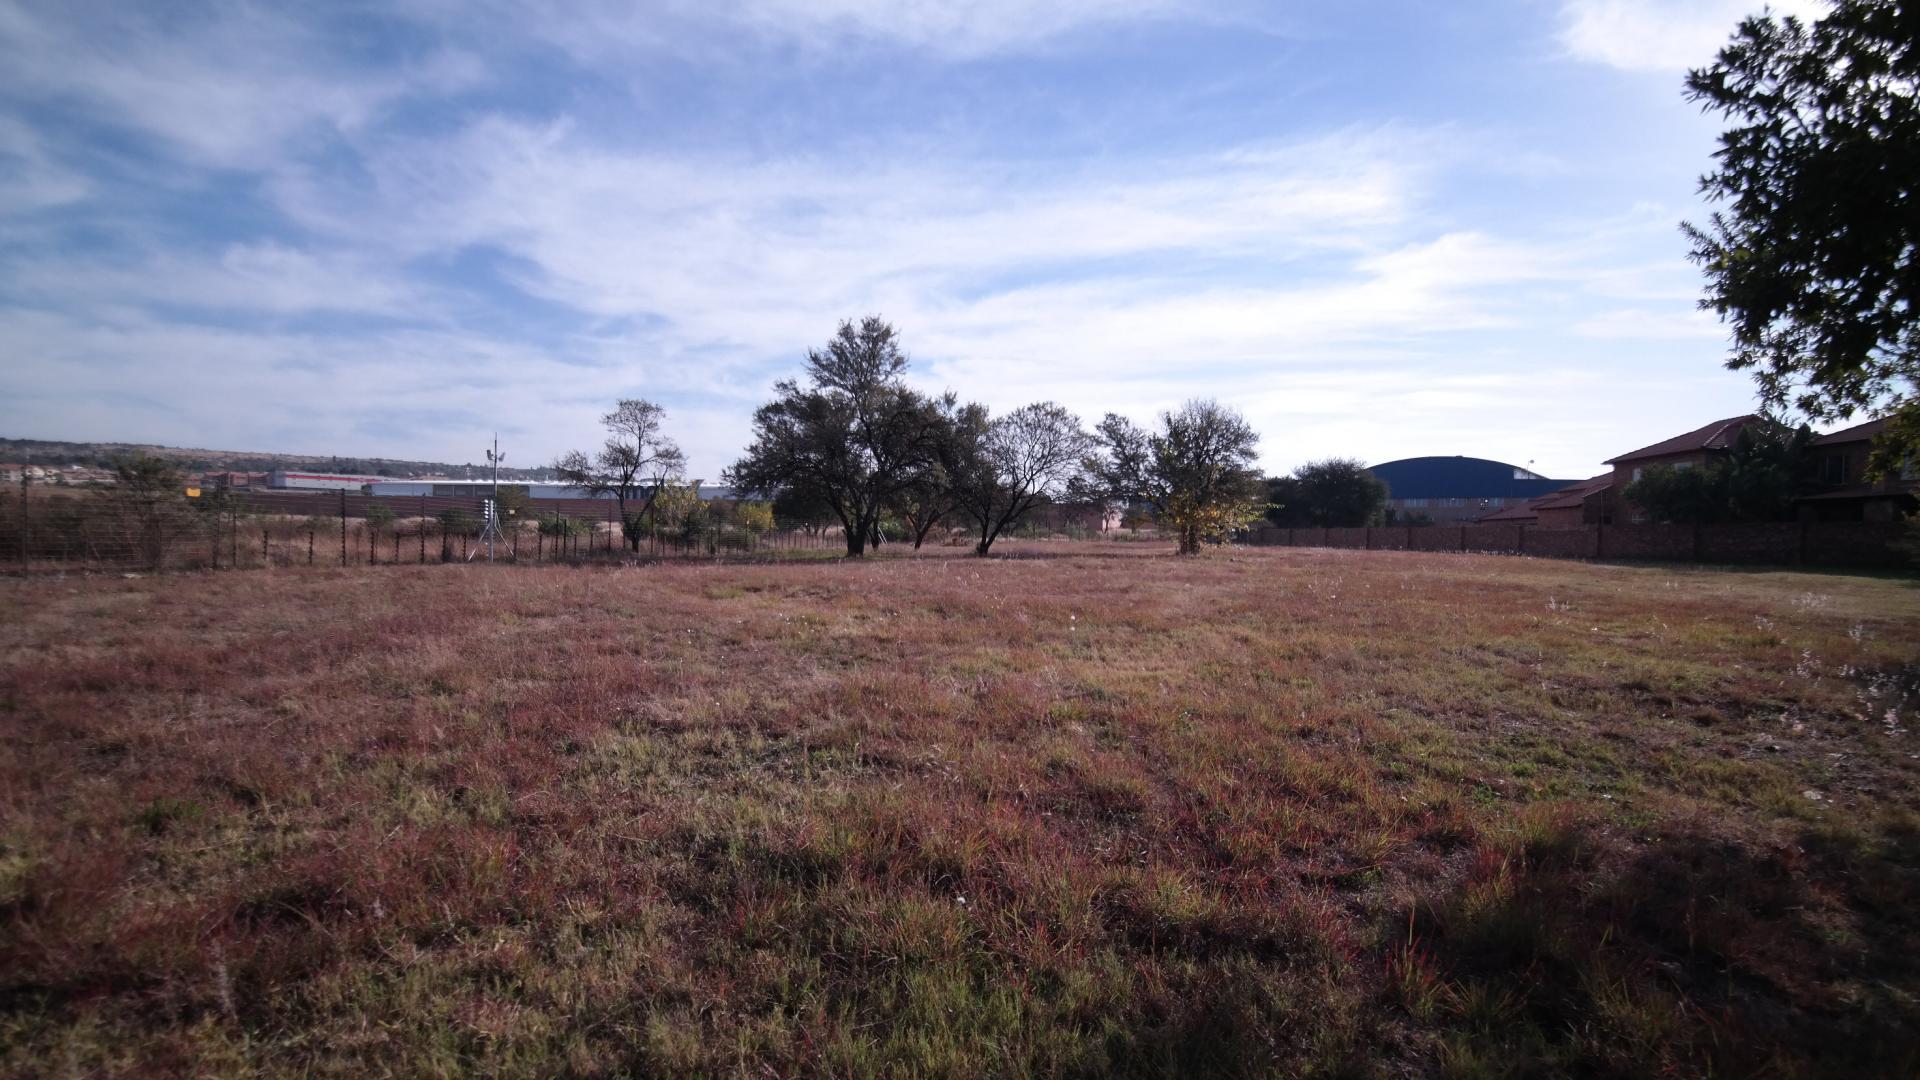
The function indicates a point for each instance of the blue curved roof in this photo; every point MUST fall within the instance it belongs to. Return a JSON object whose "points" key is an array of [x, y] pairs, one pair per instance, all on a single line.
{"points": [[1461, 478]]}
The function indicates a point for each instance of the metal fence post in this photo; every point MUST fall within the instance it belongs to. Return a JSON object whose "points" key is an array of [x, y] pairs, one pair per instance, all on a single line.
{"points": [[26, 522], [423, 530], [343, 527]]}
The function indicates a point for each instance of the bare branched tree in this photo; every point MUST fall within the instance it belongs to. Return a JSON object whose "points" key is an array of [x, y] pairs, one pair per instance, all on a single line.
{"points": [[1005, 469], [636, 463]]}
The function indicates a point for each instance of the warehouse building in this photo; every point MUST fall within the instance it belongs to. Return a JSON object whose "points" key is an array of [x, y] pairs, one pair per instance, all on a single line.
{"points": [[1450, 490]]}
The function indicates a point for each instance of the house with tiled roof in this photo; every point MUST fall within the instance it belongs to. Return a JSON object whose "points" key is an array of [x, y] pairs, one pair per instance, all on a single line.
{"points": [[1691, 450]]}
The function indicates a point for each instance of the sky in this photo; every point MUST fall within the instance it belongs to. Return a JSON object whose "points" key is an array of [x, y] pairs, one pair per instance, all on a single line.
{"points": [[1379, 230]]}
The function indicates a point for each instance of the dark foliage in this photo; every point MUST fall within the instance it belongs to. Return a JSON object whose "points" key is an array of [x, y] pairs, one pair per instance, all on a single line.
{"points": [[1336, 493], [1812, 261]]}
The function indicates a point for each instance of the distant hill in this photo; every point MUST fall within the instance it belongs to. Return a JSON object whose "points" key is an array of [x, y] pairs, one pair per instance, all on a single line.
{"points": [[102, 455]]}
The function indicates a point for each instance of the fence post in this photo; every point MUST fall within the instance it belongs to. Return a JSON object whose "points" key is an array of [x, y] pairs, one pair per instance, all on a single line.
{"points": [[214, 531], [233, 522], [1800, 545], [1367, 542], [343, 527], [1696, 542], [26, 522], [1520, 542], [1463, 538], [313, 527], [1599, 541], [423, 530], [266, 557]]}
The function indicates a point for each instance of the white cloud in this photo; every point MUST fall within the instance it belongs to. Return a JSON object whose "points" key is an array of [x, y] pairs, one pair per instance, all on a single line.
{"points": [[230, 87], [600, 33], [247, 279], [1652, 323], [30, 178], [1662, 35]]}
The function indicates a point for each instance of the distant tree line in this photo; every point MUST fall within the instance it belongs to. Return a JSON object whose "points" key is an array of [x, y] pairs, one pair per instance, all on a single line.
{"points": [[109, 456], [850, 444]]}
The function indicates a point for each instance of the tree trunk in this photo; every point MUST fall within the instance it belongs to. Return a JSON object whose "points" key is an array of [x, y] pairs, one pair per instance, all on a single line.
{"points": [[1190, 541]]}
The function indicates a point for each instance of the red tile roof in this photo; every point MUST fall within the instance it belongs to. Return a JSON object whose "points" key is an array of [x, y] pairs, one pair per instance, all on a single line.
{"points": [[1718, 435], [1570, 496], [1856, 433], [1573, 494]]}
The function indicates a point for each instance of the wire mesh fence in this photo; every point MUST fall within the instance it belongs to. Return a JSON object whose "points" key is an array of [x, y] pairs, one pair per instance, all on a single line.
{"points": [[78, 530]]}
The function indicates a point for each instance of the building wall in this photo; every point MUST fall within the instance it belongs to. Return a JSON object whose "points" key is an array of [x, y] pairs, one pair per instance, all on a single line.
{"points": [[1449, 511], [1849, 544], [1562, 517]]}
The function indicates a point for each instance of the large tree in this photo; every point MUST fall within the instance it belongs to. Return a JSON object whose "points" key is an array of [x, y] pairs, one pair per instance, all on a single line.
{"points": [[1813, 262], [1196, 472], [1336, 492], [853, 436], [634, 465], [1004, 469]]}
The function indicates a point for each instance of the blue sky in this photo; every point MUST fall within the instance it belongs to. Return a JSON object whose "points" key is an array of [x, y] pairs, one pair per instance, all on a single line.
{"points": [[1378, 229]]}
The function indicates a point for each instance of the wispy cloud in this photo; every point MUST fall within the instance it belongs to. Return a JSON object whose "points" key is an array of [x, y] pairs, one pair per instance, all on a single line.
{"points": [[1662, 35], [270, 226]]}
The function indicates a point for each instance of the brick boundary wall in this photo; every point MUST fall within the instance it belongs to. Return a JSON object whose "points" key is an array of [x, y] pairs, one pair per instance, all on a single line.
{"points": [[1835, 544]]}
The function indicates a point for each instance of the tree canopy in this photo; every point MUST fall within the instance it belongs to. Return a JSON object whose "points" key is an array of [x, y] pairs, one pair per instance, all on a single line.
{"points": [[853, 436], [1196, 472], [1812, 261], [1336, 492]]}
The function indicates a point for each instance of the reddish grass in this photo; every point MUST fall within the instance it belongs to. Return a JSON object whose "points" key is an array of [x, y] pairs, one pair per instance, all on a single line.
{"points": [[1265, 812]]}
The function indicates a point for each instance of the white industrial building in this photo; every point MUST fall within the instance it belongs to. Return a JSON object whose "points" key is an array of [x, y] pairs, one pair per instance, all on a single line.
{"points": [[281, 479], [534, 489]]}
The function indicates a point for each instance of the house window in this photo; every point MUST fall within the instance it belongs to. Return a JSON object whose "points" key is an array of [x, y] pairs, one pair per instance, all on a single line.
{"points": [[1637, 471], [1413, 504], [1833, 469]]}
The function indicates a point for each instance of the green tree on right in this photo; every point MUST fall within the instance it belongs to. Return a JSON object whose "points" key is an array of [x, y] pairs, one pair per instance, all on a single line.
{"points": [[1812, 260]]}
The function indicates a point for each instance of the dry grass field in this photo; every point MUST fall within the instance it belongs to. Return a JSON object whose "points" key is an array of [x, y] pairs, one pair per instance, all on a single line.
{"points": [[1093, 811]]}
